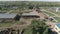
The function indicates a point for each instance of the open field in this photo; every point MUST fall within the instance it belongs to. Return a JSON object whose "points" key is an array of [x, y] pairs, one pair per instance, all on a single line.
{"points": [[8, 24], [28, 31], [57, 18], [55, 15], [53, 11], [49, 13], [58, 13]]}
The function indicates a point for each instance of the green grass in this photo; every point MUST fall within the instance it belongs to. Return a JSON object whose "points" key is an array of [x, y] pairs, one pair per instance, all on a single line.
{"points": [[7, 24], [49, 13], [14, 11], [53, 11], [57, 18], [58, 13], [28, 31]]}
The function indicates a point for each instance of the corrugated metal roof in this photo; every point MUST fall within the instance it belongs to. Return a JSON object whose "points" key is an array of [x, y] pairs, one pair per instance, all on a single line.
{"points": [[7, 15], [31, 13]]}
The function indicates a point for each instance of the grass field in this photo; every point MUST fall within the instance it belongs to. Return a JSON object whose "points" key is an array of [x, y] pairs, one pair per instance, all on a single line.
{"points": [[48, 13], [53, 11], [58, 13], [8, 24], [28, 31], [57, 18]]}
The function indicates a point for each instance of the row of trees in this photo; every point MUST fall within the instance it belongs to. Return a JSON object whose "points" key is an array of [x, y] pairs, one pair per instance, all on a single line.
{"points": [[28, 5], [18, 3]]}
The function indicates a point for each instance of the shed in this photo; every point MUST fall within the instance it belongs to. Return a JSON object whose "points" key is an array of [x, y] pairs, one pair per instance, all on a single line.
{"points": [[8, 17], [31, 14]]}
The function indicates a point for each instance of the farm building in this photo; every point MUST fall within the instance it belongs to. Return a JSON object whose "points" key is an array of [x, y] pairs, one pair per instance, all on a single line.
{"points": [[31, 14], [57, 28], [7, 17]]}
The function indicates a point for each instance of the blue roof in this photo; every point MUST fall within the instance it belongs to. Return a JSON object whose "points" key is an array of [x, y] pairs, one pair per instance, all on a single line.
{"points": [[58, 25]]}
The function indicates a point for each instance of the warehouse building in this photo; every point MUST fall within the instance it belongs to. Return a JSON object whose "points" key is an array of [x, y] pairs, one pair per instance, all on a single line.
{"points": [[31, 14], [8, 17]]}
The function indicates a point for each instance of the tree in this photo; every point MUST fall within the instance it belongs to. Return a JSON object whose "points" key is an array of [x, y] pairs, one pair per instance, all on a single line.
{"points": [[0, 8], [38, 26], [46, 31]]}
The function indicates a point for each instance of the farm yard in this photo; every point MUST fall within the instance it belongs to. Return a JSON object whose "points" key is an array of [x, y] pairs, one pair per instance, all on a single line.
{"points": [[31, 17]]}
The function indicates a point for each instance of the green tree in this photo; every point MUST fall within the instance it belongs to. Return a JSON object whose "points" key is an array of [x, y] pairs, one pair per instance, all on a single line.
{"points": [[46, 31], [38, 26]]}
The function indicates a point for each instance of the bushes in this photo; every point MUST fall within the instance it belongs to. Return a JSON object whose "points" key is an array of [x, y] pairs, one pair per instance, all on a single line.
{"points": [[38, 27]]}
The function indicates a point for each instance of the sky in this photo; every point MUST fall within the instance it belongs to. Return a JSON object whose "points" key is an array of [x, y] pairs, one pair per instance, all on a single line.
{"points": [[33, 0]]}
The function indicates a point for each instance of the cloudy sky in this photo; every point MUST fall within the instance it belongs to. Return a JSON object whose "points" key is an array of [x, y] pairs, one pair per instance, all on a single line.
{"points": [[33, 0]]}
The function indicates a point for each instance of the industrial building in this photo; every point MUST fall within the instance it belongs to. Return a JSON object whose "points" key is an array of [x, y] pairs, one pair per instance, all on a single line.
{"points": [[7, 17], [31, 14]]}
